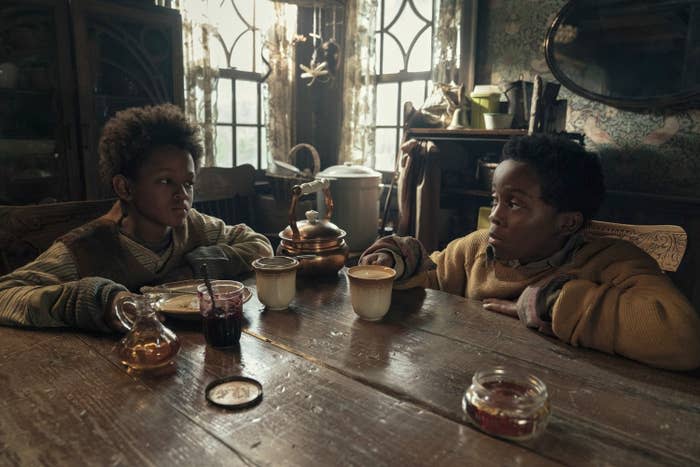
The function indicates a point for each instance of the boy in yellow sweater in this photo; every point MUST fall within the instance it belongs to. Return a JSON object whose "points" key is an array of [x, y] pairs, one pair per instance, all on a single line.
{"points": [[535, 262], [149, 156]]}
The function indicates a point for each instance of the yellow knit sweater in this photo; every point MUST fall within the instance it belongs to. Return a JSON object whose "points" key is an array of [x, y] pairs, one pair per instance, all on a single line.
{"points": [[619, 300]]}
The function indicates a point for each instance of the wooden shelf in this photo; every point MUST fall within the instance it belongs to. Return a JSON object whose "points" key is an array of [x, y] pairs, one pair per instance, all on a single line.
{"points": [[468, 192], [10, 147], [638, 196], [476, 132], [115, 97], [26, 92], [633, 195]]}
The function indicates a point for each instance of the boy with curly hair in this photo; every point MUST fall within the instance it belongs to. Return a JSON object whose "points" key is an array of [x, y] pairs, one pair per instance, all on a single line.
{"points": [[150, 157], [536, 263]]}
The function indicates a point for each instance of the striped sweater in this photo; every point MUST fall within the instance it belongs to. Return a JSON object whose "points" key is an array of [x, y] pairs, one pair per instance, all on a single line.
{"points": [[50, 291]]}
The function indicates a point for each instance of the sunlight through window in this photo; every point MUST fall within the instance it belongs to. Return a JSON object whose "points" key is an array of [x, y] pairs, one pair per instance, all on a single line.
{"points": [[239, 53], [403, 63]]}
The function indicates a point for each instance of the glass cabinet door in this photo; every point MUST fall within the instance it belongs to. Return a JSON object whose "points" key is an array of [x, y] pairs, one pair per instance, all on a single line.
{"points": [[125, 57], [38, 162]]}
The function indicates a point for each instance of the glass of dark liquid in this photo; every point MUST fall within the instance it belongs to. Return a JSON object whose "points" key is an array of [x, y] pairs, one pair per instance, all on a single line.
{"points": [[222, 318]]}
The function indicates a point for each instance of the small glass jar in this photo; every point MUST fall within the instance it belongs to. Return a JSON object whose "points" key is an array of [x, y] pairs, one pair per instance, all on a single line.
{"points": [[507, 403]]}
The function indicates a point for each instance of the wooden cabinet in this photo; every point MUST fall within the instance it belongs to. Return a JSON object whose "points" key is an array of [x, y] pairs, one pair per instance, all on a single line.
{"points": [[65, 68], [37, 105], [125, 57]]}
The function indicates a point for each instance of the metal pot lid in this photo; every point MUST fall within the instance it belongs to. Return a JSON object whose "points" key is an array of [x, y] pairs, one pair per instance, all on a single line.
{"points": [[314, 229], [349, 170], [234, 392]]}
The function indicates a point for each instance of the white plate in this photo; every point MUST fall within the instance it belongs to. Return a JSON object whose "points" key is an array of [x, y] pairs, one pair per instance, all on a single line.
{"points": [[186, 306]]}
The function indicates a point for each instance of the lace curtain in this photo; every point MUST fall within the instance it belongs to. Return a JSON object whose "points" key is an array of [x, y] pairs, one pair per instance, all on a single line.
{"points": [[280, 83], [276, 23], [359, 97], [200, 76], [446, 41], [359, 94]]}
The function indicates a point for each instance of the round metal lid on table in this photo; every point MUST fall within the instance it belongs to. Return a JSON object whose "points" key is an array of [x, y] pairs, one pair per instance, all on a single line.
{"points": [[234, 392]]}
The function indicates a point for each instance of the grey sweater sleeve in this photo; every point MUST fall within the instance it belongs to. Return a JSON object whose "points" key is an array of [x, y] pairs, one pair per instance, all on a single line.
{"points": [[48, 293]]}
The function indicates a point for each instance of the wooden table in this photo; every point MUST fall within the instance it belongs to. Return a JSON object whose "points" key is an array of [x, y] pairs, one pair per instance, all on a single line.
{"points": [[337, 390]]}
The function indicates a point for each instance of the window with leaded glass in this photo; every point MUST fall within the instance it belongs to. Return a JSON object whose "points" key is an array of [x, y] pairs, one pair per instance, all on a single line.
{"points": [[237, 51], [404, 57]]}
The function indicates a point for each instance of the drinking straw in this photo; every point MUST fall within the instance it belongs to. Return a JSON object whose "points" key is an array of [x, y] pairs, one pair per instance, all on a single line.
{"points": [[207, 282]]}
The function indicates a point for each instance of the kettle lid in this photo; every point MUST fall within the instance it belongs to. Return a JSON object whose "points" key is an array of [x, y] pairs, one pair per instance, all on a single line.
{"points": [[314, 229]]}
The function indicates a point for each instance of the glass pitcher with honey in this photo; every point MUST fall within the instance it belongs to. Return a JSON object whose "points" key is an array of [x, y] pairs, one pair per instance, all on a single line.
{"points": [[148, 345]]}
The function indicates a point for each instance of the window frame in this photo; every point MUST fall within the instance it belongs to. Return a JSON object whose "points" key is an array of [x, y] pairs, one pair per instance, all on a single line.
{"points": [[233, 75], [467, 64], [403, 75]]}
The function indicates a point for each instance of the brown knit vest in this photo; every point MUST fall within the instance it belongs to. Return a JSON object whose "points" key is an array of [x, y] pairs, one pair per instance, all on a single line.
{"points": [[97, 251]]}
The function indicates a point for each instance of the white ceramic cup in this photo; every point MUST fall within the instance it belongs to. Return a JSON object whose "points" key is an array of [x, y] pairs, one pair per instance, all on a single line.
{"points": [[493, 121], [276, 281], [370, 290]]}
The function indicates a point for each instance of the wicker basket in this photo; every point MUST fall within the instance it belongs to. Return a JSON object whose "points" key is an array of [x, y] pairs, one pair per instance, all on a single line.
{"points": [[281, 185]]}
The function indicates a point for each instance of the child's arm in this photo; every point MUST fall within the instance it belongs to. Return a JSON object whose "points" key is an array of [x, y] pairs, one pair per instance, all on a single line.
{"points": [[406, 256], [633, 310], [48, 293], [444, 270], [239, 244]]}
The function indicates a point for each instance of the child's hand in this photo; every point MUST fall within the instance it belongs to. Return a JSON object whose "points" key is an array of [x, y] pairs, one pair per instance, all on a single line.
{"points": [[380, 258], [525, 309], [498, 305], [213, 256]]}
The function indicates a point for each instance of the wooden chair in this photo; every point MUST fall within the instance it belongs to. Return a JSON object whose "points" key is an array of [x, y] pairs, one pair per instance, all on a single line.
{"points": [[26, 231], [227, 193], [665, 243]]}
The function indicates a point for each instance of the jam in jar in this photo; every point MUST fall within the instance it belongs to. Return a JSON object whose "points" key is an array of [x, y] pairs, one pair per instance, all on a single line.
{"points": [[507, 403]]}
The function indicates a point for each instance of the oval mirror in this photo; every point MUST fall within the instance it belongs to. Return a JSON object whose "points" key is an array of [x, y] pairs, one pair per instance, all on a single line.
{"points": [[635, 54]]}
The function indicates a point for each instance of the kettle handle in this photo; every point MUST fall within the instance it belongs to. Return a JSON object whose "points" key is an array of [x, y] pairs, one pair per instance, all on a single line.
{"points": [[314, 154], [312, 186], [305, 189]]}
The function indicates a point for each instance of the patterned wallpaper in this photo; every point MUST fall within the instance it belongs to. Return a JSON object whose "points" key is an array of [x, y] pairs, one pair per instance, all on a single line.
{"points": [[647, 152]]}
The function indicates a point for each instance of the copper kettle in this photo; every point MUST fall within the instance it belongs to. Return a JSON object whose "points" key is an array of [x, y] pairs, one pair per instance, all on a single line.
{"points": [[318, 244]]}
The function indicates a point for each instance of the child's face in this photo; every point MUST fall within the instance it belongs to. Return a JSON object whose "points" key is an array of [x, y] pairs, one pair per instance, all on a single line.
{"points": [[523, 226], [161, 195]]}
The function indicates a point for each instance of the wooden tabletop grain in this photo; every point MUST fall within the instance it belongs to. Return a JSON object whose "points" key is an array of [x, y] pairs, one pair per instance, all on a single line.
{"points": [[337, 391]]}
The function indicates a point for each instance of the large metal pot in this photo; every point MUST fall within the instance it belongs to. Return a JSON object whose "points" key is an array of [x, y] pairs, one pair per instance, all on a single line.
{"points": [[318, 244], [355, 190]]}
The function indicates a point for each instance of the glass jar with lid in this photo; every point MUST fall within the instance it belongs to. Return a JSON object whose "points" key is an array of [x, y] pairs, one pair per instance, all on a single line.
{"points": [[507, 403]]}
